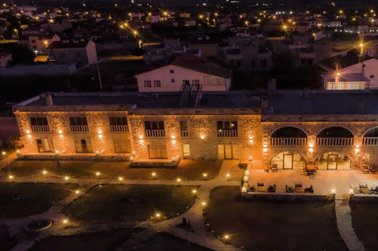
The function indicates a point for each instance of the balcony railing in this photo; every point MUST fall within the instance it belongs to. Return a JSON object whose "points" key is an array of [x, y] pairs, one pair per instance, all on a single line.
{"points": [[288, 141], [227, 133], [40, 128], [184, 134], [119, 128], [370, 141], [155, 133], [79, 128], [334, 141]]}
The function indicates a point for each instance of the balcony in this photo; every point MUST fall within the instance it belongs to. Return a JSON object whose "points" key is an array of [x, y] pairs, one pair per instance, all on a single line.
{"points": [[119, 128], [334, 141], [370, 141], [79, 128], [40, 128], [227, 133], [184, 134], [155, 133], [288, 141]]}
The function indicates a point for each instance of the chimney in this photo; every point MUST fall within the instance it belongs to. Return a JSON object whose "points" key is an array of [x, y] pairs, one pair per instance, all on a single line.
{"points": [[272, 86], [49, 99]]}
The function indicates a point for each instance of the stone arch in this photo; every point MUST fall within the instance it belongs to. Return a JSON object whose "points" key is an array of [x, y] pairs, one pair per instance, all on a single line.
{"points": [[289, 160], [289, 132], [372, 131], [333, 160], [346, 130], [274, 129]]}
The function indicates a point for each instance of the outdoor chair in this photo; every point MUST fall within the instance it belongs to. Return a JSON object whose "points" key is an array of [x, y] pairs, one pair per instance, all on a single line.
{"points": [[289, 189], [364, 188], [309, 189], [274, 168], [272, 189], [298, 187], [261, 187], [365, 169], [373, 168]]}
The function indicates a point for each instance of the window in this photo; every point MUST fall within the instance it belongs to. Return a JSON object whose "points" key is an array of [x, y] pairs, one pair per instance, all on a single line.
{"points": [[171, 71], [195, 82], [184, 129], [227, 125], [44, 145], [38, 121], [147, 83], [371, 76], [78, 121], [154, 125], [172, 80], [157, 83], [263, 63], [118, 121], [83, 146]]}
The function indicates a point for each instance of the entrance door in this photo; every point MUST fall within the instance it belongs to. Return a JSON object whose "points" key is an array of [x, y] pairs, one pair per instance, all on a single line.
{"points": [[186, 151], [220, 151], [228, 151], [157, 151], [288, 161], [332, 161]]}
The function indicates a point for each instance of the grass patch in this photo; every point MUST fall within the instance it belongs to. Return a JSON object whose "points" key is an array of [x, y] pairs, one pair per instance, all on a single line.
{"points": [[24, 199], [258, 225], [365, 223], [190, 170], [107, 203], [98, 241], [165, 241]]}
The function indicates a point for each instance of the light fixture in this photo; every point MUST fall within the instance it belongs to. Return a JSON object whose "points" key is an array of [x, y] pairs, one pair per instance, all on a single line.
{"points": [[244, 190], [153, 174], [44, 172], [203, 203], [194, 191], [204, 175], [178, 180], [66, 177], [333, 191], [98, 173], [120, 178], [77, 191], [202, 136]]}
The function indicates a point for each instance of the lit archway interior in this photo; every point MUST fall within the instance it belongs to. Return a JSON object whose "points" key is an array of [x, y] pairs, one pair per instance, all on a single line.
{"points": [[333, 161], [288, 161]]}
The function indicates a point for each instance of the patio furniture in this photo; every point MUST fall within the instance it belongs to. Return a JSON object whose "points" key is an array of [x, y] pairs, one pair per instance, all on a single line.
{"points": [[373, 168], [365, 169], [298, 187], [289, 189], [309, 189], [364, 188], [261, 187], [272, 189], [311, 169], [274, 168]]}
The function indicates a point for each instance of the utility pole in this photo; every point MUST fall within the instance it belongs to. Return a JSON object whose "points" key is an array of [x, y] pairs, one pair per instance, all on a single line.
{"points": [[99, 76]]}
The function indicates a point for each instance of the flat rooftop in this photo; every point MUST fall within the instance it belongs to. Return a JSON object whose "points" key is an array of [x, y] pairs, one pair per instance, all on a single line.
{"points": [[321, 102]]}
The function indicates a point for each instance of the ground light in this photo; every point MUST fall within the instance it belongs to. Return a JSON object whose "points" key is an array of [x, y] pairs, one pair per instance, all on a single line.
{"points": [[11, 177], [226, 237], [157, 215], [65, 221], [194, 191], [204, 175], [203, 203], [153, 174], [178, 180], [120, 178], [98, 173], [333, 191], [77, 191], [66, 177], [351, 191], [44, 172], [228, 175]]}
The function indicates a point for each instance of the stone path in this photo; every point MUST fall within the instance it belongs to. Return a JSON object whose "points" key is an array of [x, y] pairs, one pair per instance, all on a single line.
{"points": [[344, 224]]}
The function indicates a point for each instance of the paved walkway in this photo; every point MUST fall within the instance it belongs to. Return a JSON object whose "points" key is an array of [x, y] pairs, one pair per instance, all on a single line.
{"points": [[344, 224]]}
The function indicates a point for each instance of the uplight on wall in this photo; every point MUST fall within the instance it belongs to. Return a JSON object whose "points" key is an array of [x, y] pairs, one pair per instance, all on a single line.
{"points": [[202, 136]]}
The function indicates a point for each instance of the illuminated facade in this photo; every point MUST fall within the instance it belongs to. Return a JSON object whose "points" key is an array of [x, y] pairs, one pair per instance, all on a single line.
{"points": [[286, 129]]}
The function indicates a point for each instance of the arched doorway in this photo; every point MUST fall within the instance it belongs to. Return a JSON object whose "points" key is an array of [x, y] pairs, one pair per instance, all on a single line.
{"points": [[288, 136], [335, 136], [333, 161], [288, 161]]}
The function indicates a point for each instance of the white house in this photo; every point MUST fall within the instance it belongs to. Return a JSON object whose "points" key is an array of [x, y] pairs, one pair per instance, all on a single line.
{"points": [[368, 69], [188, 70]]}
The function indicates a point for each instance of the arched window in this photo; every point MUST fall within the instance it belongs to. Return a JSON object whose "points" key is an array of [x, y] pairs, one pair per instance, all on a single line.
{"points": [[288, 136], [335, 136], [371, 138]]}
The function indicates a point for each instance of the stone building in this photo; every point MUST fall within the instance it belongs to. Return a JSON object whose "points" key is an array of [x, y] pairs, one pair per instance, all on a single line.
{"points": [[336, 130]]}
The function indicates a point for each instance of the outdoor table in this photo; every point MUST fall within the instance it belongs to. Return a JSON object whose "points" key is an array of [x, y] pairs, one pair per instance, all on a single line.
{"points": [[261, 189]]}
